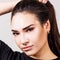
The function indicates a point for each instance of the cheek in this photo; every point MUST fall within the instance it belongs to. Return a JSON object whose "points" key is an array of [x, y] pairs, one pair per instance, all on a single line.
{"points": [[17, 41], [38, 37]]}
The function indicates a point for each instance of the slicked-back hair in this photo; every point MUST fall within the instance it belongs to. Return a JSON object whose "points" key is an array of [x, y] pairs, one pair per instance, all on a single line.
{"points": [[43, 13]]}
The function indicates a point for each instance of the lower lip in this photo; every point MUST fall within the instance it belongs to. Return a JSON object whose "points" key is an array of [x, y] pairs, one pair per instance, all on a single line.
{"points": [[27, 48]]}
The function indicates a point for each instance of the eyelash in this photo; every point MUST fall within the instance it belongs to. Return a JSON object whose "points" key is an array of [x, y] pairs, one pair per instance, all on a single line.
{"points": [[29, 29], [15, 34]]}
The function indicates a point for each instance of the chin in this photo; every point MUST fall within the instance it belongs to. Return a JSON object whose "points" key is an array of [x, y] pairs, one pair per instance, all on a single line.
{"points": [[30, 53]]}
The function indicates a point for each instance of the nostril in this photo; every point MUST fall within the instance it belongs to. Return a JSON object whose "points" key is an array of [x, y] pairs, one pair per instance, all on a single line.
{"points": [[25, 42], [23, 39]]}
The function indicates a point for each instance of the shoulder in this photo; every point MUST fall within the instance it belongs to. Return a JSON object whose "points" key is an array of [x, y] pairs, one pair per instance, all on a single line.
{"points": [[5, 50], [6, 53], [4, 47]]}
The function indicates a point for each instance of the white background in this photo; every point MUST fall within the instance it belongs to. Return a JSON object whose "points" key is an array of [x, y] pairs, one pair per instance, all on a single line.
{"points": [[5, 28]]}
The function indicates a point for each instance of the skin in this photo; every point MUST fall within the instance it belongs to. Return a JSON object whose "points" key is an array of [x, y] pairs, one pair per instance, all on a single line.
{"points": [[6, 7], [30, 36]]}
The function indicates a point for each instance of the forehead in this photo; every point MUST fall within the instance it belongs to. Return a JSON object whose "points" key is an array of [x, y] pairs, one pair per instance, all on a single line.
{"points": [[22, 20]]}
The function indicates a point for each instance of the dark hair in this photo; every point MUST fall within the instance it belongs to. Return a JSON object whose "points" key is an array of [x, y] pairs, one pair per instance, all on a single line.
{"points": [[54, 35], [43, 12]]}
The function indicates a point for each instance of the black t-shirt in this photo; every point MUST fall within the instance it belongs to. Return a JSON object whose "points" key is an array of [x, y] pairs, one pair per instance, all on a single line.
{"points": [[6, 53]]}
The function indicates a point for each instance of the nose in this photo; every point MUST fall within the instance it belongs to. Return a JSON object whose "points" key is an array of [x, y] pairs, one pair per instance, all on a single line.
{"points": [[23, 39]]}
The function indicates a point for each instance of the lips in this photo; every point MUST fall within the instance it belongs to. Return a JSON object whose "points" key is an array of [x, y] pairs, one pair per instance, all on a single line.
{"points": [[27, 48]]}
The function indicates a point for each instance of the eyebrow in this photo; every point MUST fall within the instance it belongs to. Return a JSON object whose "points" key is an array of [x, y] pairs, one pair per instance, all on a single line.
{"points": [[14, 31], [23, 28], [27, 27]]}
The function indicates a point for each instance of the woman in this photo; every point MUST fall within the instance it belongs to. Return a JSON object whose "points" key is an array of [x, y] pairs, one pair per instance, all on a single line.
{"points": [[32, 28]]}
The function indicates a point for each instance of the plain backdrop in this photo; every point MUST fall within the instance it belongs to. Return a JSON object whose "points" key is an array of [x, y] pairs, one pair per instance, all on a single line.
{"points": [[5, 28]]}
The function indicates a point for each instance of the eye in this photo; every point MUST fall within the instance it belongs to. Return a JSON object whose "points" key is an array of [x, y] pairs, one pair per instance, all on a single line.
{"points": [[30, 29], [15, 34]]}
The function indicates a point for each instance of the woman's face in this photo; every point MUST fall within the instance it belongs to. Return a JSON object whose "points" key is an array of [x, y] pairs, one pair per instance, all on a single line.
{"points": [[29, 34]]}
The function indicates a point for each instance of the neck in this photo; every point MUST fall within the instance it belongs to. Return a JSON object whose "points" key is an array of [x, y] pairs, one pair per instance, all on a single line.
{"points": [[45, 53]]}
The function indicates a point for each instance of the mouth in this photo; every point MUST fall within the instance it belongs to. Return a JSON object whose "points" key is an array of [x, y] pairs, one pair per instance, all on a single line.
{"points": [[27, 48]]}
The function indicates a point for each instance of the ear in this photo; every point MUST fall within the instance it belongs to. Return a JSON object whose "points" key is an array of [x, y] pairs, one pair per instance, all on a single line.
{"points": [[47, 26]]}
